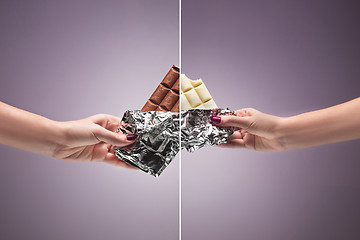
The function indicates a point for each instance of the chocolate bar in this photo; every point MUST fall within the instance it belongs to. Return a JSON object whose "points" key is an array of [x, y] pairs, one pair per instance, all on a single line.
{"points": [[166, 96], [194, 94]]}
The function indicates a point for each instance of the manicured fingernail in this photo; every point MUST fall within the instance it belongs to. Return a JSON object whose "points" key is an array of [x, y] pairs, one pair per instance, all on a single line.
{"points": [[216, 119], [131, 137]]}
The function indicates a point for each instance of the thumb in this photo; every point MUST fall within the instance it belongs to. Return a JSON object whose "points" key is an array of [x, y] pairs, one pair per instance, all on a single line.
{"points": [[233, 121], [117, 139]]}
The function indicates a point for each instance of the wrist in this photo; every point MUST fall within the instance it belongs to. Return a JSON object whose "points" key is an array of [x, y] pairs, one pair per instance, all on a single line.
{"points": [[281, 132], [58, 137]]}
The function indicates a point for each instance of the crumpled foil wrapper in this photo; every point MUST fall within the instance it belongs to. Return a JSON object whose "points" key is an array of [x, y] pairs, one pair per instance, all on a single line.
{"points": [[197, 129], [158, 136], [157, 143]]}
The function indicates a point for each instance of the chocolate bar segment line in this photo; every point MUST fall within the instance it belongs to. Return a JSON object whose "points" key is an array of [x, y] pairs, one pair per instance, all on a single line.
{"points": [[166, 95], [169, 100]]}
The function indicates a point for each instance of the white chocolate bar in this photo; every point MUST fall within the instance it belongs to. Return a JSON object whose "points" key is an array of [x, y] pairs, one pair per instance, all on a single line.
{"points": [[194, 94]]}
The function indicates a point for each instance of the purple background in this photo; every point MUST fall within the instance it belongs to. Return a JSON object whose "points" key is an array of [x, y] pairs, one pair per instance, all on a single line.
{"points": [[284, 58], [68, 60]]}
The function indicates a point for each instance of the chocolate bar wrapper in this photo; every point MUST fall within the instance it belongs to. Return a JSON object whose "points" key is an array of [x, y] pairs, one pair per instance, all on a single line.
{"points": [[197, 129], [158, 136], [157, 143]]}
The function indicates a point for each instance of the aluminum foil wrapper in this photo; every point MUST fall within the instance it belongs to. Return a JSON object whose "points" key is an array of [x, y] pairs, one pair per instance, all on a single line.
{"points": [[158, 140], [197, 129], [158, 136]]}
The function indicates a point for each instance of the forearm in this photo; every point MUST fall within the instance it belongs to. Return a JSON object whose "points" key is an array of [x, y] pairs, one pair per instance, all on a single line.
{"points": [[335, 124], [28, 131]]}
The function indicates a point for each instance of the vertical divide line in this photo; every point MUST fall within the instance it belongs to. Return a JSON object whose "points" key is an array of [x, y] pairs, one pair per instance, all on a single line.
{"points": [[180, 172]]}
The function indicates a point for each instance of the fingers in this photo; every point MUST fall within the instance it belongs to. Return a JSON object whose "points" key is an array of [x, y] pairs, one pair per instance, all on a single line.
{"points": [[107, 121], [116, 139], [243, 119], [103, 118], [103, 153], [245, 112], [236, 135], [239, 139], [232, 121], [110, 158], [234, 143]]}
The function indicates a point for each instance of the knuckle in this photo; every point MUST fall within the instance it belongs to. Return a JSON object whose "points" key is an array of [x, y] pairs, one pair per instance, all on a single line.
{"points": [[101, 115]]}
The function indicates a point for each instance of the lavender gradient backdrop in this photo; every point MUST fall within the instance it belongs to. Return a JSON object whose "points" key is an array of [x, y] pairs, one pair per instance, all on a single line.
{"points": [[281, 57], [68, 60]]}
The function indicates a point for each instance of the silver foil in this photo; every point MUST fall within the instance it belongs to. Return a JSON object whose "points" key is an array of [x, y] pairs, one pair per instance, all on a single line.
{"points": [[197, 129], [158, 136], [157, 143]]}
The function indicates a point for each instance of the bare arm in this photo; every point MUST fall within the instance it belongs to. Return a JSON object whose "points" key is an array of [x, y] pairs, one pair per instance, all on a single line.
{"points": [[334, 124], [28, 131], [264, 132], [88, 139]]}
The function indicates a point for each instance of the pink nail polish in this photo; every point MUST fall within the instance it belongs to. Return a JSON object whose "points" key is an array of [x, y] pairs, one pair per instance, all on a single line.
{"points": [[131, 137], [216, 119]]}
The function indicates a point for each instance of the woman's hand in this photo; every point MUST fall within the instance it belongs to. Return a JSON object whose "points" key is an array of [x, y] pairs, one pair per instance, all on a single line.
{"points": [[92, 139], [89, 139], [264, 132], [256, 130]]}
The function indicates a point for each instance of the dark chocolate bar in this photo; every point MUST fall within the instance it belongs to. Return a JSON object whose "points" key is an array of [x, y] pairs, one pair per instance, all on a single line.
{"points": [[166, 96]]}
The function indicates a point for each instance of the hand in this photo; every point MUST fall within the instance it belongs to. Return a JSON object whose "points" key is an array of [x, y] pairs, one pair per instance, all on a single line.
{"points": [[256, 130], [91, 139]]}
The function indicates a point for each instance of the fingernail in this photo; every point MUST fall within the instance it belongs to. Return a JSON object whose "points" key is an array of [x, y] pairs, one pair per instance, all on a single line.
{"points": [[131, 137], [216, 119]]}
